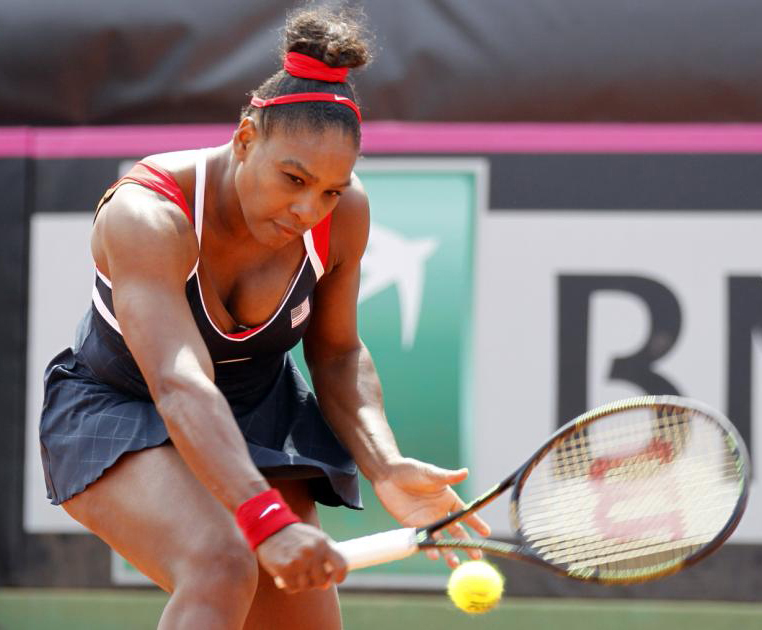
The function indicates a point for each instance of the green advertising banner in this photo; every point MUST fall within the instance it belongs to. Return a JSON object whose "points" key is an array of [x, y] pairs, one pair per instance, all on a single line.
{"points": [[415, 317]]}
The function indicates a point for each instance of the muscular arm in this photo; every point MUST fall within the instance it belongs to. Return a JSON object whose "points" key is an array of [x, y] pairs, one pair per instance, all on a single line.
{"points": [[349, 393], [147, 247], [345, 379]]}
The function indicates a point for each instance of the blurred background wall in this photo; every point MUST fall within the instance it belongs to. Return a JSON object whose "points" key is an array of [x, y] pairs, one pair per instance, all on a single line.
{"points": [[84, 62]]}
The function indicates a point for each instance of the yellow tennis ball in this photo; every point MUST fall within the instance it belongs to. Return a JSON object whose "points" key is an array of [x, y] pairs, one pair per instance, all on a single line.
{"points": [[475, 586]]}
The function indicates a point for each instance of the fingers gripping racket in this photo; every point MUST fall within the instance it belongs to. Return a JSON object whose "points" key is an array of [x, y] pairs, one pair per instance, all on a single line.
{"points": [[627, 492]]}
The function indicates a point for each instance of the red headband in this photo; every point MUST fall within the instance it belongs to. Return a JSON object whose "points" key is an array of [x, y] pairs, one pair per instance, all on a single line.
{"points": [[306, 97], [306, 67]]}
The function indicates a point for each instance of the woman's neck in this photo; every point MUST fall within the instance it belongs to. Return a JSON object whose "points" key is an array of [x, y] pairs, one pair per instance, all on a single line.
{"points": [[224, 208]]}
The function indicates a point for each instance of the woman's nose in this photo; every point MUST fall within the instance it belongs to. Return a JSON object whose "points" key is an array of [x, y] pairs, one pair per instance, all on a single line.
{"points": [[305, 210]]}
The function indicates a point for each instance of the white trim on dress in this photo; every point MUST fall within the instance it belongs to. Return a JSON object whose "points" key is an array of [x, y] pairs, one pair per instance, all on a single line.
{"points": [[101, 307], [317, 264]]}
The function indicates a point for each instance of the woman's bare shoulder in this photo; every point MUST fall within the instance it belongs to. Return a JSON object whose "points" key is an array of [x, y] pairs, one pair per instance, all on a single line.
{"points": [[350, 224], [139, 223], [181, 165]]}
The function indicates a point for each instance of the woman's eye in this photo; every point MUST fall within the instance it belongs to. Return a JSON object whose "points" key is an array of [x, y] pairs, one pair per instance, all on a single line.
{"points": [[295, 179]]}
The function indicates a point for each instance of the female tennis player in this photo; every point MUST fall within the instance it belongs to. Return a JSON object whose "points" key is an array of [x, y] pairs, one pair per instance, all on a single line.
{"points": [[177, 428]]}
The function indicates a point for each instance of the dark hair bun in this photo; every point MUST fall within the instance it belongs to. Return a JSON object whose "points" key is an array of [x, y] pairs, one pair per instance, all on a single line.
{"points": [[337, 38]]}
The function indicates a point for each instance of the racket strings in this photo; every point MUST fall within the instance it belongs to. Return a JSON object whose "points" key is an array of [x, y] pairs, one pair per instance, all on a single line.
{"points": [[635, 491], [625, 552], [564, 548], [538, 528], [668, 435], [701, 480], [547, 537]]}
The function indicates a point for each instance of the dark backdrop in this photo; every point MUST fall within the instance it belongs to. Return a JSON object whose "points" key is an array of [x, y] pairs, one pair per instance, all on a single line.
{"points": [[142, 61]]}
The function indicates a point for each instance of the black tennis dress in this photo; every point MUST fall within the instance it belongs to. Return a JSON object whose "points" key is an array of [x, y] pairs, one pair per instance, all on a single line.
{"points": [[97, 405]]}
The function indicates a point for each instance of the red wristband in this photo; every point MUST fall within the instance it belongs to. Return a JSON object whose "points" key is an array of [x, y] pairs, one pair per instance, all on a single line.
{"points": [[263, 515]]}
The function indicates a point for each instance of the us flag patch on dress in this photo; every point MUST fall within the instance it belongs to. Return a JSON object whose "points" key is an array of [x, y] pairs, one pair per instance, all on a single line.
{"points": [[299, 313]]}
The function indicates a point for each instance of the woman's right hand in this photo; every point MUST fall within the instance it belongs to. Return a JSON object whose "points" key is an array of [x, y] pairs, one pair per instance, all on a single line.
{"points": [[301, 557]]}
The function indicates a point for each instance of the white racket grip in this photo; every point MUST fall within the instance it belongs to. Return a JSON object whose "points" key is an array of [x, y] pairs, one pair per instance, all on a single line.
{"points": [[367, 551]]}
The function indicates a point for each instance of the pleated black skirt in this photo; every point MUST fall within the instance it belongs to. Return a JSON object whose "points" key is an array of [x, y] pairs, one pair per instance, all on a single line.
{"points": [[87, 425]]}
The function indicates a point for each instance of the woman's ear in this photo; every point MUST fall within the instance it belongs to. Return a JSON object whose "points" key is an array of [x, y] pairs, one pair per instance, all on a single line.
{"points": [[245, 136]]}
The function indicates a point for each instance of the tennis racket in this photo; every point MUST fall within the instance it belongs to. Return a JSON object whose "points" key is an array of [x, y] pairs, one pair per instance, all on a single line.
{"points": [[628, 492]]}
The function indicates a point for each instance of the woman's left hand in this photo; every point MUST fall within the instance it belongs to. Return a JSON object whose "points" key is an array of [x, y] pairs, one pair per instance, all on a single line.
{"points": [[416, 493]]}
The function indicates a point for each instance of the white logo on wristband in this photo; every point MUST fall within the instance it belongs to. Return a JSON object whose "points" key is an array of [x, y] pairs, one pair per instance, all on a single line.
{"points": [[269, 508]]}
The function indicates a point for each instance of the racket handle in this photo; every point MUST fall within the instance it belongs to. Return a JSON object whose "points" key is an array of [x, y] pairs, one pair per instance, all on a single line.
{"points": [[367, 551]]}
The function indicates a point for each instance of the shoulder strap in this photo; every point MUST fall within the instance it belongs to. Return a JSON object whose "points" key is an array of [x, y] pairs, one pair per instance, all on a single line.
{"points": [[154, 178], [320, 235]]}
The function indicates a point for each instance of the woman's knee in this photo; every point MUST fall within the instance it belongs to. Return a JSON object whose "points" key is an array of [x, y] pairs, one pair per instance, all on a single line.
{"points": [[218, 563]]}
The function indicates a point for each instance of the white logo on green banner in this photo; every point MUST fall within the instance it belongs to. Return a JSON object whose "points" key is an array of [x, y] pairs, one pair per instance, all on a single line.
{"points": [[391, 259]]}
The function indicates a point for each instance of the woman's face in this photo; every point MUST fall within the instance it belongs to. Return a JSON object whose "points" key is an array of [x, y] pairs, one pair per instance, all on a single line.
{"points": [[288, 182]]}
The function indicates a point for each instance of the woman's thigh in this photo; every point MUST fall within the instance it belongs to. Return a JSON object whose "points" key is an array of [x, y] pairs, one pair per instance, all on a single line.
{"points": [[151, 509], [274, 609]]}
